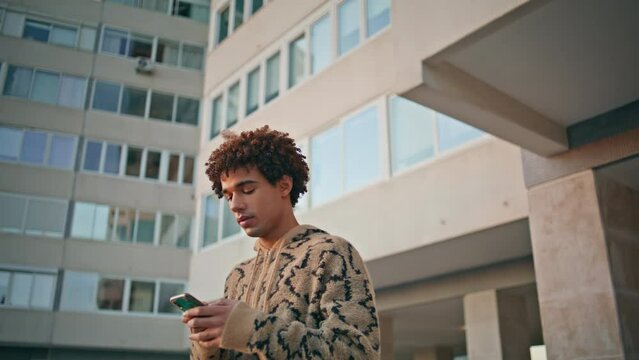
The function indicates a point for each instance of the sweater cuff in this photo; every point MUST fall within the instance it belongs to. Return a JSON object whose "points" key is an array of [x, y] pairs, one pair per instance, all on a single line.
{"points": [[239, 328]]}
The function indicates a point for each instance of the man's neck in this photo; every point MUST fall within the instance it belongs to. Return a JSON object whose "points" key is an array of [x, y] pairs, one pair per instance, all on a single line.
{"points": [[285, 226]]}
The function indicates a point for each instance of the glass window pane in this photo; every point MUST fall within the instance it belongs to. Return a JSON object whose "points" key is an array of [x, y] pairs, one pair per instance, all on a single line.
{"points": [[110, 294], [101, 223], [411, 133], [187, 173], [62, 151], [112, 159], [184, 231], [166, 292], [192, 56], [252, 91], [73, 91], [161, 106], [326, 167], [63, 35], [239, 13], [106, 96], [223, 25], [114, 41], [453, 133], [174, 165], [34, 144], [36, 30], [272, 88], [133, 161], [12, 210], [167, 52], [187, 111], [200, 13], [302, 201], [46, 217], [361, 149], [140, 46], [210, 221], [10, 140], [125, 223], [92, 155], [216, 117], [320, 44], [229, 224], [13, 24], [153, 164], [168, 229], [377, 15], [20, 289], [156, 5], [296, 61], [348, 24], [18, 81], [133, 101], [146, 227], [256, 5], [232, 105], [141, 298], [43, 291], [87, 38], [4, 285], [83, 216], [45, 87], [79, 290]]}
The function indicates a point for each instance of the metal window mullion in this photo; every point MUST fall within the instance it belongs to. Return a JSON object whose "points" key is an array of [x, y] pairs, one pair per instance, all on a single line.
{"points": [[156, 297], [103, 147], [32, 83], [180, 173], [120, 98], [31, 289], [261, 88], [435, 132], [154, 48], [123, 158], [165, 158], [126, 295], [147, 105], [220, 220], [59, 89], [174, 112], [47, 149], [143, 163], [114, 227], [384, 138], [307, 53], [26, 214], [134, 235], [156, 228]]}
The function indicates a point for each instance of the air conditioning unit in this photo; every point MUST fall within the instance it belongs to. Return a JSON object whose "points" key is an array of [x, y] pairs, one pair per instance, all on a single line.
{"points": [[144, 65]]}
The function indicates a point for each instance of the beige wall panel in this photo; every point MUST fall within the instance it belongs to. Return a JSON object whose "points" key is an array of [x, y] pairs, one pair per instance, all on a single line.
{"points": [[24, 250], [72, 10], [262, 29], [155, 24], [66, 60], [26, 326], [142, 132], [23, 113], [134, 193], [115, 331], [31, 180], [115, 258], [164, 79]]}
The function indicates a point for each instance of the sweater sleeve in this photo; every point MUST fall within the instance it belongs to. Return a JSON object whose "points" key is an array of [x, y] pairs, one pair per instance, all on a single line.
{"points": [[347, 317]]}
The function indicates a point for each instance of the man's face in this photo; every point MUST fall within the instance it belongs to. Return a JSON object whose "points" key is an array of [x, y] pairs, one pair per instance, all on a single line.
{"points": [[257, 205]]}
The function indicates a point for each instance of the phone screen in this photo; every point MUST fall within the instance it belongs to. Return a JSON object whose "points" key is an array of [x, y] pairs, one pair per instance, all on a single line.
{"points": [[186, 302]]}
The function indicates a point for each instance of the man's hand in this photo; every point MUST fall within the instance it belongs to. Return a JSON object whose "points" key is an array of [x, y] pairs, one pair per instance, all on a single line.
{"points": [[209, 320]]}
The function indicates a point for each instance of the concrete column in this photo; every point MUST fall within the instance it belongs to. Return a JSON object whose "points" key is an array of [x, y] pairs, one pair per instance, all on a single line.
{"points": [[585, 246], [497, 326], [434, 353], [386, 338]]}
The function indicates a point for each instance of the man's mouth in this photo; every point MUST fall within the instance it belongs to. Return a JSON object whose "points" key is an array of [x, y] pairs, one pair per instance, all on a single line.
{"points": [[244, 220]]}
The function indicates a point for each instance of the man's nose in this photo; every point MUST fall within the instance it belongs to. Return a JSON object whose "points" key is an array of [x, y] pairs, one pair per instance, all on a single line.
{"points": [[237, 204]]}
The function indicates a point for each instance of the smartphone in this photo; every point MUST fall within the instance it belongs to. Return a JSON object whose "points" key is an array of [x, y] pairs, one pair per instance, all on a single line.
{"points": [[185, 301]]}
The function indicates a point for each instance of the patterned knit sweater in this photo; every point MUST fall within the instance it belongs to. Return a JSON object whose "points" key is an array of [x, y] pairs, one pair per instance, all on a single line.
{"points": [[309, 297]]}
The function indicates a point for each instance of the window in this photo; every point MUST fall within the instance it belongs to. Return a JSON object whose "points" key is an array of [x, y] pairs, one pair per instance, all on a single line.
{"points": [[110, 294], [63, 35], [223, 24], [106, 96], [453, 133], [112, 159], [188, 168], [13, 23], [239, 14], [145, 229], [133, 101], [230, 226], [411, 133], [28, 289], [90, 221], [232, 105], [167, 290], [80, 291], [192, 56], [174, 167], [272, 88], [184, 231], [10, 140], [12, 211], [187, 111], [167, 52], [37, 147], [92, 156], [296, 61], [4, 281], [87, 38], [45, 87], [140, 46], [168, 229], [33, 147], [73, 91], [211, 215], [62, 152], [36, 30], [216, 117], [348, 25], [192, 9], [153, 164], [252, 91], [18, 81], [114, 41], [377, 15], [142, 296], [46, 217], [133, 161], [124, 223], [326, 167], [320, 44], [256, 5], [361, 149], [161, 106]]}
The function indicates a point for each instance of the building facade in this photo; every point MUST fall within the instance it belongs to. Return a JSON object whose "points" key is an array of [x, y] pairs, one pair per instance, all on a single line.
{"points": [[481, 156]]}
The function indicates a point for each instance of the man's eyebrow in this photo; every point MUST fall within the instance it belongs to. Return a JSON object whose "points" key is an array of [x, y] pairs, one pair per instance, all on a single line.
{"points": [[241, 183]]}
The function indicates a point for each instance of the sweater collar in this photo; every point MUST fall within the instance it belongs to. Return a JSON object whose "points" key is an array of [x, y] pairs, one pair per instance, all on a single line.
{"points": [[292, 235]]}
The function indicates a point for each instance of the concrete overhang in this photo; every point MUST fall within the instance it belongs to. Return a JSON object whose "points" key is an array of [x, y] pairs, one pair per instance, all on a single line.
{"points": [[529, 74]]}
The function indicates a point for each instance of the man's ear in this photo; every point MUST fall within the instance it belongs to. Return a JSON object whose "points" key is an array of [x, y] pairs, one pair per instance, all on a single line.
{"points": [[285, 185]]}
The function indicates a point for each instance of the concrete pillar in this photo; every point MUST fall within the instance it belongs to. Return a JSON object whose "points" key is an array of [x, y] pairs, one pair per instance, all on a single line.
{"points": [[434, 353], [386, 338], [497, 326], [585, 241]]}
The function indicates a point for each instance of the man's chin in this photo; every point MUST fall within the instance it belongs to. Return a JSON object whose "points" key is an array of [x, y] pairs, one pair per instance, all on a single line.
{"points": [[252, 232]]}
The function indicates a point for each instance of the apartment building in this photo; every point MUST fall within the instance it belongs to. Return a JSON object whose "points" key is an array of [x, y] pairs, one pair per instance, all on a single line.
{"points": [[481, 156]]}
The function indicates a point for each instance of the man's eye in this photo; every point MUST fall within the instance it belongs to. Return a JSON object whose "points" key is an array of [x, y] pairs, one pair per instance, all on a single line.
{"points": [[248, 191]]}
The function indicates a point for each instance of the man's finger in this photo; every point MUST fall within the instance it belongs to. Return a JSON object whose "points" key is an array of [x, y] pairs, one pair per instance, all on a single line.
{"points": [[205, 322], [206, 335], [208, 310]]}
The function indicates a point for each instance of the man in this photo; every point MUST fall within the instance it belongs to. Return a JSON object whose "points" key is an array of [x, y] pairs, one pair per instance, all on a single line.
{"points": [[306, 294]]}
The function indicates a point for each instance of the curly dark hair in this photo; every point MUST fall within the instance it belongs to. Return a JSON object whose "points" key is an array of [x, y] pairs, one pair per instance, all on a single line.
{"points": [[272, 152]]}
